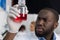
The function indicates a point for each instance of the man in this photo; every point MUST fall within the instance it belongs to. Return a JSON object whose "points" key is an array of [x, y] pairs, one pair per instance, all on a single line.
{"points": [[46, 22]]}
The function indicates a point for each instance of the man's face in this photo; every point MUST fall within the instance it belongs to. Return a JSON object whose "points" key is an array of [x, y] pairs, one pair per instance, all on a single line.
{"points": [[44, 24]]}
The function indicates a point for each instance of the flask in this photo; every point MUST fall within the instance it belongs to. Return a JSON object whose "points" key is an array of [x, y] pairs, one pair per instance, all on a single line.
{"points": [[22, 9]]}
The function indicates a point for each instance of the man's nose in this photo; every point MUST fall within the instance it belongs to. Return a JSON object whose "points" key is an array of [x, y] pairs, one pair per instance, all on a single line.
{"points": [[41, 22]]}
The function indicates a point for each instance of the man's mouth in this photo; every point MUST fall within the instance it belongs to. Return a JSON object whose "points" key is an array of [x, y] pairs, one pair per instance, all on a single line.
{"points": [[40, 29]]}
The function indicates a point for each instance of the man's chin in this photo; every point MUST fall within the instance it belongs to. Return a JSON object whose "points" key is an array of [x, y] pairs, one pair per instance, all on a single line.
{"points": [[39, 34]]}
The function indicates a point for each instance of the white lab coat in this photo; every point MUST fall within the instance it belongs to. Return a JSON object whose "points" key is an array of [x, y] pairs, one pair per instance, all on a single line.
{"points": [[21, 36], [32, 36], [29, 36], [57, 37], [25, 36]]}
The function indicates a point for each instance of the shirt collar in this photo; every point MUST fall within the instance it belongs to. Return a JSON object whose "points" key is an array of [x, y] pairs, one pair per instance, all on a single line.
{"points": [[54, 37], [42, 38]]}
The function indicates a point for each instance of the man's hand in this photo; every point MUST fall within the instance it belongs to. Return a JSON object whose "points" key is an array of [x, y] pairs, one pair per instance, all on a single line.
{"points": [[13, 13], [13, 26]]}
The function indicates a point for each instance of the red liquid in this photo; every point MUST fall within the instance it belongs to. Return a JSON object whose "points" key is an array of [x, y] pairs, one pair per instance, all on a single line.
{"points": [[21, 18]]}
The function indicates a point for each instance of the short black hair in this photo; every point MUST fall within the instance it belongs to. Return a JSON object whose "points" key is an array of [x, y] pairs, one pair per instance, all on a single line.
{"points": [[56, 14]]}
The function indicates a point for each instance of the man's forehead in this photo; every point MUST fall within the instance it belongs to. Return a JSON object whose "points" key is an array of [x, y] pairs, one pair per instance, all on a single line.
{"points": [[45, 14]]}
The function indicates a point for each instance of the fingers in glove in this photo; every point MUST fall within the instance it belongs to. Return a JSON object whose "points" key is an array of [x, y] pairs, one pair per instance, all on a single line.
{"points": [[14, 13]]}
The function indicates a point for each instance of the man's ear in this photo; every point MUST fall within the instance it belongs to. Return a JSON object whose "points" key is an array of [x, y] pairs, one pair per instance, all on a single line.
{"points": [[56, 25]]}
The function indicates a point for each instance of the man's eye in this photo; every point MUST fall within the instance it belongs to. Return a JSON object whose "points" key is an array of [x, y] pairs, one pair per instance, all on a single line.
{"points": [[44, 19], [39, 18]]}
